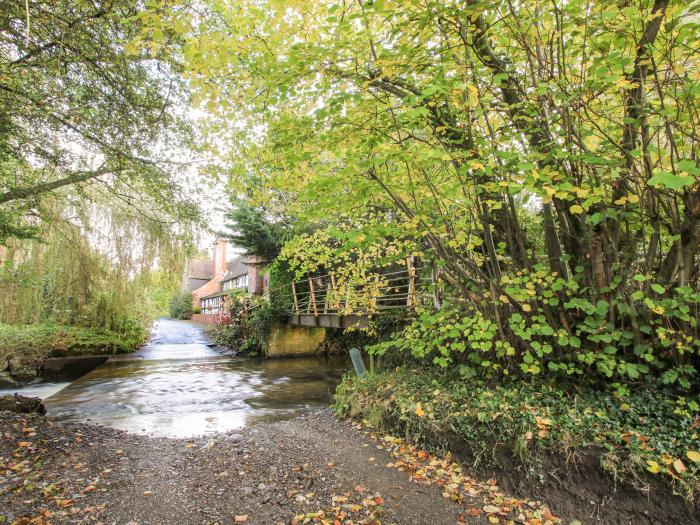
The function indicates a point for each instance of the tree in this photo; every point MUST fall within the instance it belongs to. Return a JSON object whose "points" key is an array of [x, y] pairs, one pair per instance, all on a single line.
{"points": [[435, 122], [255, 230], [181, 306], [76, 87]]}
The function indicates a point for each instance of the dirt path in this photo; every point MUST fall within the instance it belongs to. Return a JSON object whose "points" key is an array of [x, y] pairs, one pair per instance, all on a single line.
{"points": [[312, 469]]}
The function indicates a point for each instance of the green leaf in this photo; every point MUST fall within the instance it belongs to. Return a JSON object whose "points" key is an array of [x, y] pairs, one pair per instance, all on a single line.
{"points": [[665, 179], [658, 288]]}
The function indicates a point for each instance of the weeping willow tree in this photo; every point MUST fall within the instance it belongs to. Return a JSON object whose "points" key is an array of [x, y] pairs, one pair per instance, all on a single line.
{"points": [[94, 223], [99, 267]]}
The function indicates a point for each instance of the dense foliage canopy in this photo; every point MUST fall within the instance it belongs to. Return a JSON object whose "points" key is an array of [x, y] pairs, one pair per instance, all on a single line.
{"points": [[541, 157]]}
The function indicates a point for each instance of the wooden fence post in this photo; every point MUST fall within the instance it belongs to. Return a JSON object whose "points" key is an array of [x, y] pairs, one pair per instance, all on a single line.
{"points": [[411, 299], [294, 298], [313, 296]]}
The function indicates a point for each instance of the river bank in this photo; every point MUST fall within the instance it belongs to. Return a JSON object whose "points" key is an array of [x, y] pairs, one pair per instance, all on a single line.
{"points": [[594, 457], [25, 348], [310, 469]]}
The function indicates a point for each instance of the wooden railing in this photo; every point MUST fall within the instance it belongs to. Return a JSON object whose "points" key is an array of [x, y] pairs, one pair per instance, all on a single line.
{"points": [[327, 295]]}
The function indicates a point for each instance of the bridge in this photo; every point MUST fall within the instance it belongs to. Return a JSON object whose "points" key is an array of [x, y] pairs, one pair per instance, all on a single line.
{"points": [[330, 302]]}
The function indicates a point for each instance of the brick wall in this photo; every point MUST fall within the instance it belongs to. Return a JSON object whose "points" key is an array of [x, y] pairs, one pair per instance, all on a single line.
{"points": [[204, 318]]}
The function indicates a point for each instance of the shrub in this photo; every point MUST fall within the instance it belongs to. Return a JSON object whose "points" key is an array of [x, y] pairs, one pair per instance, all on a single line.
{"points": [[659, 346], [181, 306], [248, 326]]}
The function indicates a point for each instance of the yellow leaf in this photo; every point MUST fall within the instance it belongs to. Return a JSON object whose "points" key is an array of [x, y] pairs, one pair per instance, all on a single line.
{"points": [[679, 466], [242, 518], [693, 455], [503, 299], [653, 467], [473, 96], [621, 200], [526, 308], [576, 208], [419, 410]]}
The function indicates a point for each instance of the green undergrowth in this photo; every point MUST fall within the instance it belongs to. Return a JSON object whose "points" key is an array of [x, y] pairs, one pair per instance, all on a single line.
{"points": [[643, 436], [32, 343]]}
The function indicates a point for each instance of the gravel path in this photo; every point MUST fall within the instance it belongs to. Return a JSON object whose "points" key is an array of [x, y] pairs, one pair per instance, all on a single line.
{"points": [[267, 474]]}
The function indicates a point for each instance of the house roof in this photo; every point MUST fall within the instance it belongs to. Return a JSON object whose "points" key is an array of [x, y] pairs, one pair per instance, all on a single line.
{"points": [[200, 269], [216, 294], [235, 268], [230, 291], [195, 282]]}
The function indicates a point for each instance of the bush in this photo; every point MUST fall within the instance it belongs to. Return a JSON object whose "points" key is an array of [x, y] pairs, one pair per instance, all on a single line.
{"points": [[181, 306], [250, 321], [659, 346]]}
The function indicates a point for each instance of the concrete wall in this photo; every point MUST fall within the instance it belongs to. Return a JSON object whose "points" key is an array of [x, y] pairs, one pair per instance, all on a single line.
{"points": [[294, 340]]}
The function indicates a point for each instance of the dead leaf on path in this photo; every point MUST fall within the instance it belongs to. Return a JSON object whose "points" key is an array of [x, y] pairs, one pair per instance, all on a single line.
{"points": [[189, 444], [360, 489], [241, 518], [119, 452], [147, 492], [24, 444]]}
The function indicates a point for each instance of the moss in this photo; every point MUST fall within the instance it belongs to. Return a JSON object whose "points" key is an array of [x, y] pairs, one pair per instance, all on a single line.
{"points": [[33, 343], [644, 435]]}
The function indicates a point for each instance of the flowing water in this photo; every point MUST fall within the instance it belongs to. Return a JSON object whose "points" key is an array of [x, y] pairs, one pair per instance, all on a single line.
{"points": [[177, 386]]}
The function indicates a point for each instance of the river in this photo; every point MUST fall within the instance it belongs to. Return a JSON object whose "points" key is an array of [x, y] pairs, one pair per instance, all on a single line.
{"points": [[177, 386]]}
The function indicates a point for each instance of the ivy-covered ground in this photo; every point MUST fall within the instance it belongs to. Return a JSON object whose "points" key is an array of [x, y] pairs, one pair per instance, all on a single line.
{"points": [[645, 438], [24, 347]]}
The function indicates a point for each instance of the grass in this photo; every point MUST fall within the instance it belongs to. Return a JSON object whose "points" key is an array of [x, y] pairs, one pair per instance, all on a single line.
{"points": [[644, 436], [33, 343]]}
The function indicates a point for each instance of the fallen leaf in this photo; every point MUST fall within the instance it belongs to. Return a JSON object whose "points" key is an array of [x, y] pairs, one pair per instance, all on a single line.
{"points": [[679, 466], [419, 410], [147, 492], [241, 518], [694, 456]]}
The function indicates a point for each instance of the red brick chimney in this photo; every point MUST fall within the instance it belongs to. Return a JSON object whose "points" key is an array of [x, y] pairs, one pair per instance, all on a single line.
{"points": [[220, 257]]}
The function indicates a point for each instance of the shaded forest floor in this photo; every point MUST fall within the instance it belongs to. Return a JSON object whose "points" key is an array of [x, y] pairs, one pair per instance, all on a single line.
{"points": [[312, 469]]}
